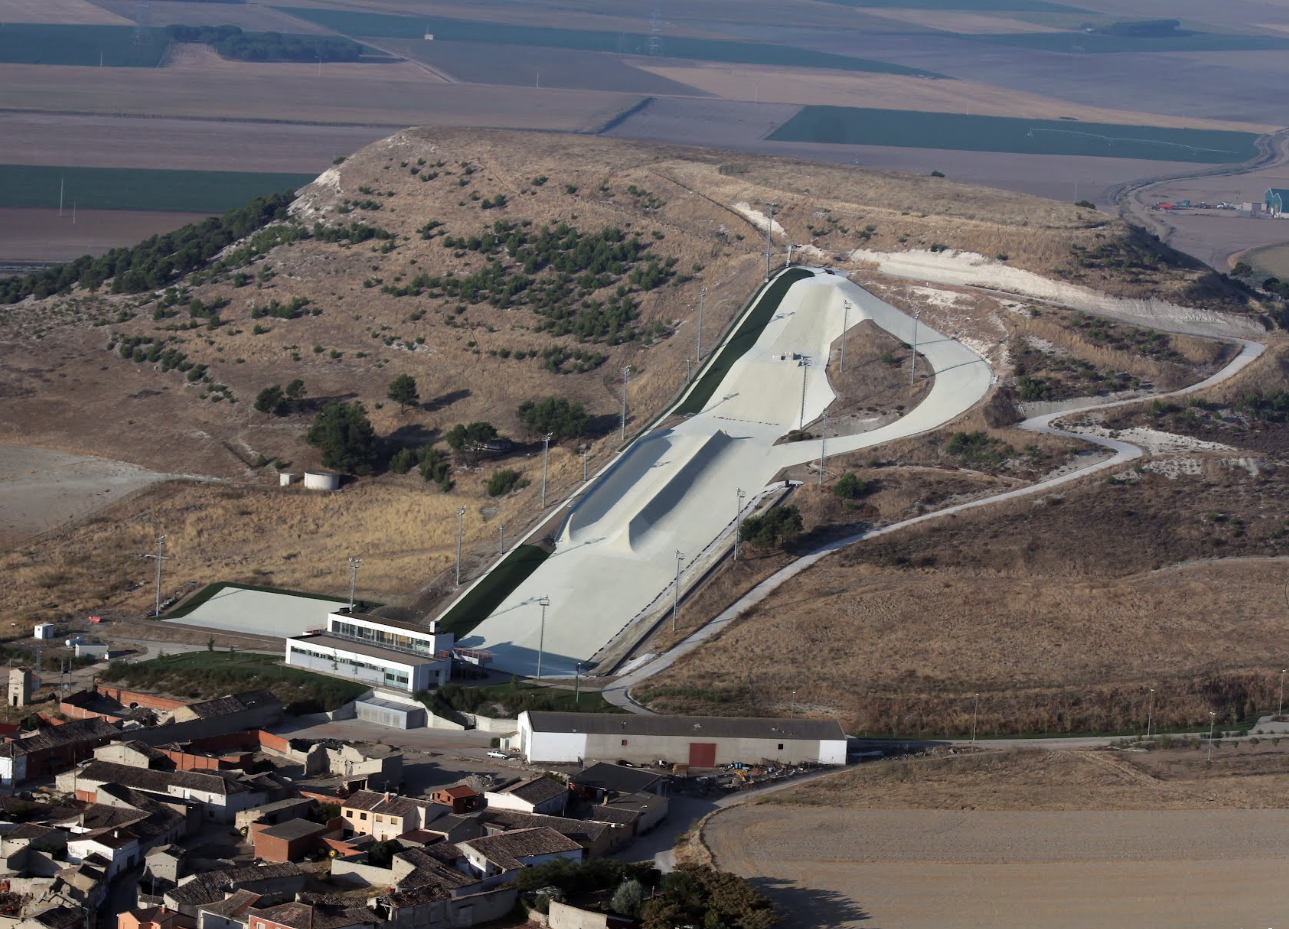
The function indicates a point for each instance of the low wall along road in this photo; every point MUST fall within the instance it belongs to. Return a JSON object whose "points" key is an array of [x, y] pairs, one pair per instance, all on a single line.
{"points": [[675, 490]]}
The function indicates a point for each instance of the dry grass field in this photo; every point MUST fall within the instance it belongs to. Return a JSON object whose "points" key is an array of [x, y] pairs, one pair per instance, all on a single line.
{"points": [[963, 22], [251, 17], [176, 144], [954, 842], [69, 12], [896, 92]]}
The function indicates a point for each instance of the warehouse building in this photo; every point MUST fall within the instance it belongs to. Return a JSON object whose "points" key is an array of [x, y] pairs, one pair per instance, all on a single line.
{"points": [[699, 741], [377, 651], [1277, 201]]}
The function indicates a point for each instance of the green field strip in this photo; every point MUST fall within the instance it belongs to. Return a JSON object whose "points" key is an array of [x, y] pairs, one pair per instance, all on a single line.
{"points": [[138, 188], [91, 46], [384, 25], [495, 587], [748, 332], [958, 132], [1096, 44]]}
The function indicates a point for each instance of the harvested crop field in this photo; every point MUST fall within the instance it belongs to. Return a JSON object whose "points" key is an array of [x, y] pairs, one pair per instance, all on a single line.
{"points": [[959, 869], [29, 235], [358, 94], [1273, 260], [962, 21], [252, 17], [71, 12], [481, 63], [101, 46], [138, 188], [892, 91], [175, 144]]}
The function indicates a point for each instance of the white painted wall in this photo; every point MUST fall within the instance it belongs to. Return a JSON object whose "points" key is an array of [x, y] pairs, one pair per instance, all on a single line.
{"points": [[832, 751], [555, 747]]}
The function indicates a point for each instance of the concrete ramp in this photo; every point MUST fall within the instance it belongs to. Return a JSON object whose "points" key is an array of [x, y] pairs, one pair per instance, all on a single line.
{"points": [[671, 494]]}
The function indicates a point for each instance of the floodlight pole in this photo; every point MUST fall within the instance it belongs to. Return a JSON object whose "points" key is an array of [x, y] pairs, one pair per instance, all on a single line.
{"points": [[913, 358], [160, 556], [460, 530], [1150, 713], [805, 371], [501, 538], [738, 519], [625, 371], [546, 455], [353, 579], [791, 246], [577, 686], [1281, 710], [1212, 718], [675, 603], [585, 451], [541, 641], [769, 231], [975, 714], [688, 371], [845, 324], [823, 449], [698, 351]]}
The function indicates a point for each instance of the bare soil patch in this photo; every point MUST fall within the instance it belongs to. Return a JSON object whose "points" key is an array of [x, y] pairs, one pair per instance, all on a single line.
{"points": [[31, 235], [65, 12], [963, 22]]}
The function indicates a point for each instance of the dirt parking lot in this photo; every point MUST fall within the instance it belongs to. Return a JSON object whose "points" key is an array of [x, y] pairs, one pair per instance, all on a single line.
{"points": [[962, 869]]}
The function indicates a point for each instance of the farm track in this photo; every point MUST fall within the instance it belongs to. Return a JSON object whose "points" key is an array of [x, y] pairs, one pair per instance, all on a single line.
{"points": [[618, 693]]}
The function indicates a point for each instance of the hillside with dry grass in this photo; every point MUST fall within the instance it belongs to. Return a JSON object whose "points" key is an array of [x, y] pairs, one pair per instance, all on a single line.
{"points": [[436, 253]]}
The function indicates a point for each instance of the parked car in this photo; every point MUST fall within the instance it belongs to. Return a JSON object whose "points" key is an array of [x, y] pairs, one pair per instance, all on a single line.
{"points": [[498, 753]]}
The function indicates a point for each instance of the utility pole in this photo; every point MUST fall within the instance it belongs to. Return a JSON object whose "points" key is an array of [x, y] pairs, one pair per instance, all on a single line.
{"points": [[1212, 718], [769, 231], [353, 579], [1280, 711], [675, 603], [805, 370], [1150, 713], [688, 373], [585, 451], [823, 450], [160, 556], [913, 358], [546, 455], [975, 714], [501, 538], [791, 246], [845, 324], [625, 371], [460, 529], [577, 686], [738, 519], [698, 352], [541, 641]]}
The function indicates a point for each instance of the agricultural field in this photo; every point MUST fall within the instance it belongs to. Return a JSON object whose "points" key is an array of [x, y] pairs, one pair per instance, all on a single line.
{"points": [[252, 17], [36, 236], [940, 841], [105, 46], [857, 126], [68, 12], [138, 188], [408, 27], [1271, 260]]}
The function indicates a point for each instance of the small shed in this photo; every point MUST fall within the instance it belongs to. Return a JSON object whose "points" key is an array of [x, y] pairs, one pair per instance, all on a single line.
{"points": [[91, 649], [321, 480], [284, 479], [45, 631], [389, 713]]}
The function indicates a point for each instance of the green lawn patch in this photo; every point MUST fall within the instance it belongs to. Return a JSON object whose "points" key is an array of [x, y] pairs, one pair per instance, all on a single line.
{"points": [[138, 188], [110, 46], [209, 674], [488, 594], [386, 25], [955, 131], [767, 302], [517, 696], [203, 595]]}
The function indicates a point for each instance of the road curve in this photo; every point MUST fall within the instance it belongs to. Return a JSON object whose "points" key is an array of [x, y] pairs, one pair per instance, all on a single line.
{"points": [[619, 692]]}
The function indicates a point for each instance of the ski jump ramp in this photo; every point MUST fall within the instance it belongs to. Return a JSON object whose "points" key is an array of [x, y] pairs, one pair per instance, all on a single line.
{"points": [[676, 489]]}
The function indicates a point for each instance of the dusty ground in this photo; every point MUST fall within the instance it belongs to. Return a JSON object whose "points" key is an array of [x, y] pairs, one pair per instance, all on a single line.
{"points": [[938, 841], [40, 490]]}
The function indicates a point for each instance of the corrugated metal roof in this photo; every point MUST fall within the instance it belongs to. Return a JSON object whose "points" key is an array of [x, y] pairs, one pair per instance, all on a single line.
{"points": [[691, 727]]}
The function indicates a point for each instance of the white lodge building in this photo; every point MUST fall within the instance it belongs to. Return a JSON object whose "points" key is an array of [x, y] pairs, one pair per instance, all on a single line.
{"points": [[376, 651]]}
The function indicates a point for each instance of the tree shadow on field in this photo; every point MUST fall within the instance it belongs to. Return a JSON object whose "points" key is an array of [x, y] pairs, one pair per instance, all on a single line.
{"points": [[447, 399], [807, 908], [605, 423], [412, 435]]}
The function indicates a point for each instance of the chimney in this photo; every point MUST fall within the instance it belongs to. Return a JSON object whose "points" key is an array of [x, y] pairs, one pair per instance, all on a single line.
{"points": [[387, 796]]}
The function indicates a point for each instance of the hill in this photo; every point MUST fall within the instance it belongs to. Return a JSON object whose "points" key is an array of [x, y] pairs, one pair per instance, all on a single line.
{"points": [[494, 268]]}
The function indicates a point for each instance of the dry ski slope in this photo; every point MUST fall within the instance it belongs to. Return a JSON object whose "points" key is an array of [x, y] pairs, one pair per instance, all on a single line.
{"points": [[674, 490]]}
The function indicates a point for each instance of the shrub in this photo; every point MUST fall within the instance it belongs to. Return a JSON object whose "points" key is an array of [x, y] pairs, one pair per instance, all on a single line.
{"points": [[849, 487], [781, 525], [556, 415], [344, 435], [503, 482]]}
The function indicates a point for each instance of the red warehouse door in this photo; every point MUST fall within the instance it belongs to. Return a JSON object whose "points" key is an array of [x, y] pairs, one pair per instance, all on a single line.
{"points": [[702, 754]]}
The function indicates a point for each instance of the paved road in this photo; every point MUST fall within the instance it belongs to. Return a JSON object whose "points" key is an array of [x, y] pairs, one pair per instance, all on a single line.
{"points": [[618, 692]]}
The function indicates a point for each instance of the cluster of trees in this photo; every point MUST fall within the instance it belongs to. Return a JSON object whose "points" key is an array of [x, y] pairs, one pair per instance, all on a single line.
{"points": [[155, 262], [1264, 406], [292, 310], [562, 418], [344, 435], [691, 895], [232, 42], [273, 399], [470, 439], [430, 461], [781, 525], [978, 448], [504, 481]]}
